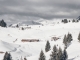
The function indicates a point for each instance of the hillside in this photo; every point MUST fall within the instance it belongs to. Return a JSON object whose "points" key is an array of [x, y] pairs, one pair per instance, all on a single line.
{"points": [[31, 50]]}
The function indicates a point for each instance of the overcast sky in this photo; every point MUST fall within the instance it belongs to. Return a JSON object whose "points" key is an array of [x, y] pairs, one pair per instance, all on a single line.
{"points": [[19, 10]]}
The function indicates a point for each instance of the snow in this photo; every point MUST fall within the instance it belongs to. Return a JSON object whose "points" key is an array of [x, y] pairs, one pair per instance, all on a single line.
{"points": [[31, 50]]}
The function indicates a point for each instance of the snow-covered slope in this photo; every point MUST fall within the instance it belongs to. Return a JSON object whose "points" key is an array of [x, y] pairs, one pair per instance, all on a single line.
{"points": [[10, 40]]}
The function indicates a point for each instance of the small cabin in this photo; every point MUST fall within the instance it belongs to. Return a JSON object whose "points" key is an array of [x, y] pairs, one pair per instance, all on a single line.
{"points": [[54, 38], [28, 27], [1, 52], [30, 40], [24, 27]]}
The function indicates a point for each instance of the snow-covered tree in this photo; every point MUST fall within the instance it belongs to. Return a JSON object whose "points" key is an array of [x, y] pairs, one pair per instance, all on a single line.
{"points": [[79, 37], [64, 55], [59, 54], [47, 47], [2, 23], [25, 59], [7, 56], [53, 55], [73, 20], [42, 56], [67, 40]]}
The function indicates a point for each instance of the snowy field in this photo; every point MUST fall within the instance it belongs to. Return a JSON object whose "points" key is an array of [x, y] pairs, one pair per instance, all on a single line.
{"points": [[31, 50]]}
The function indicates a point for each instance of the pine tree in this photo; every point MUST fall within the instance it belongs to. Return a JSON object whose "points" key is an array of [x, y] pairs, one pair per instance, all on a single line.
{"points": [[79, 37], [2, 23], [65, 40], [55, 48], [59, 54], [64, 55], [25, 59], [65, 21], [47, 47], [62, 21], [69, 38], [42, 56], [7, 56], [77, 21], [22, 28], [53, 55], [17, 26], [69, 20], [73, 20]]}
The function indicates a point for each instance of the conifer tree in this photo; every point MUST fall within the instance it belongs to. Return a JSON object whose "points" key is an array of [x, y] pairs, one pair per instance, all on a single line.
{"points": [[42, 56], [47, 47], [62, 21], [65, 40], [77, 21], [53, 55], [55, 48], [7, 56], [65, 21], [69, 20], [25, 59], [17, 26], [64, 55], [73, 20], [59, 54], [79, 37], [69, 38], [2, 23]]}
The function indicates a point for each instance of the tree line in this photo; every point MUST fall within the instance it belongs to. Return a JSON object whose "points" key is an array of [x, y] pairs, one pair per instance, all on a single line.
{"points": [[56, 54], [66, 21], [7, 56]]}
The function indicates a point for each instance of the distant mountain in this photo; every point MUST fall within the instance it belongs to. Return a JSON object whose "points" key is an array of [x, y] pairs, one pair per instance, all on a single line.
{"points": [[30, 23], [25, 23], [78, 18]]}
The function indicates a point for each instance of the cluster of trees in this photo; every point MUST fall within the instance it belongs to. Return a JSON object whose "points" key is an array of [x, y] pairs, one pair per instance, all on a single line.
{"points": [[75, 20], [66, 21], [67, 40], [2, 23], [7, 56], [57, 54]]}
